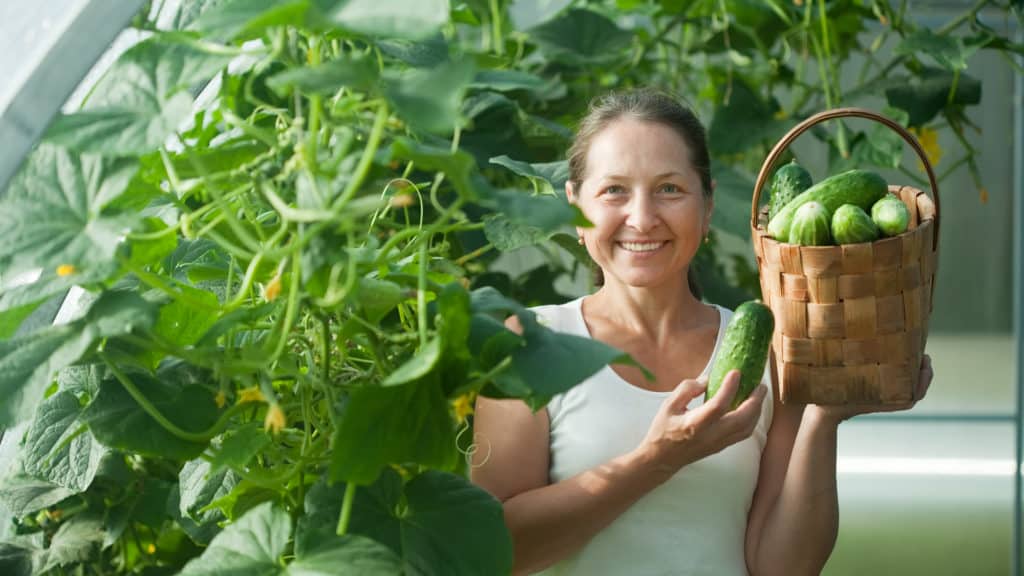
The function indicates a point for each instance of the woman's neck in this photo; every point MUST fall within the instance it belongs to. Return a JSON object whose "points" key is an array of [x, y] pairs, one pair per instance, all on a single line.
{"points": [[650, 312]]}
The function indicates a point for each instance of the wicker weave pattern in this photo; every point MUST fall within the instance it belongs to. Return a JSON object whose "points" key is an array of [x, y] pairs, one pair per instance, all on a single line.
{"points": [[852, 320]]}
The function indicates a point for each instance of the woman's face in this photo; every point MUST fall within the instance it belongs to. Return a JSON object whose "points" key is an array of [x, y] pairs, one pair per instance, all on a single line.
{"points": [[646, 202]]}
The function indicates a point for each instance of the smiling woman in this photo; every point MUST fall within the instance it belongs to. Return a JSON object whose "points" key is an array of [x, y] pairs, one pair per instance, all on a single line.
{"points": [[632, 471]]}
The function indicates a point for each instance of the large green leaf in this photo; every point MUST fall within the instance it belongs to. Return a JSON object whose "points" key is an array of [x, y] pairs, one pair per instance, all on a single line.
{"points": [[424, 53], [745, 121], [508, 81], [236, 19], [22, 494], [438, 523], [396, 424], [28, 363], [949, 52], [250, 546], [200, 486], [733, 195], [255, 543], [74, 542], [417, 366], [548, 177], [118, 421], [924, 96], [546, 213], [582, 37], [142, 99], [545, 363], [55, 211], [238, 446], [355, 72], [508, 235], [410, 19], [456, 165], [429, 99], [57, 449]]}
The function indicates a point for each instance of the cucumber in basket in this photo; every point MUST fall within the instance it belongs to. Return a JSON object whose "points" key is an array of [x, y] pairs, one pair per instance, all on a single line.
{"points": [[858, 187], [788, 182], [891, 215], [745, 348], [811, 225], [852, 225]]}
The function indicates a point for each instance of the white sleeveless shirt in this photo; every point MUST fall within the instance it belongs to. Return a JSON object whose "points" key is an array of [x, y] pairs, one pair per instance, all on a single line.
{"points": [[693, 524]]}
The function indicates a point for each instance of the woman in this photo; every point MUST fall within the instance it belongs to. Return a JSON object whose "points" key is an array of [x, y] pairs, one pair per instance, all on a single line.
{"points": [[626, 476]]}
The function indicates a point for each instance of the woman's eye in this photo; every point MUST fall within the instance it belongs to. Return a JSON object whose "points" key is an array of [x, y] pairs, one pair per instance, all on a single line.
{"points": [[615, 190], [670, 189]]}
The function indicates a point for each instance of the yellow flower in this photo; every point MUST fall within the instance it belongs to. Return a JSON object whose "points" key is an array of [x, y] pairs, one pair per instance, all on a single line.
{"points": [[65, 270], [220, 399], [272, 289], [983, 195], [463, 406], [151, 549], [402, 200], [929, 140], [251, 394], [274, 421]]}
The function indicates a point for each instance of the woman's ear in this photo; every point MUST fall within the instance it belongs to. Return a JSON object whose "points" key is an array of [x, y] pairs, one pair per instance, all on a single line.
{"points": [[570, 192]]}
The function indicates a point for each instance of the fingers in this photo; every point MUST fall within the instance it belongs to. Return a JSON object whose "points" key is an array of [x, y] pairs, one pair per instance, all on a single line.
{"points": [[723, 398], [685, 392], [748, 413]]}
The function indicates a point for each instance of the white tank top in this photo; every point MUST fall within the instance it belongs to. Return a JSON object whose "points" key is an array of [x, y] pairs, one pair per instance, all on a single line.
{"points": [[693, 524]]}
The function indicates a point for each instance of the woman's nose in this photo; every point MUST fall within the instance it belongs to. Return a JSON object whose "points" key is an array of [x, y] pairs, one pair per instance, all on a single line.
{"points": [[642, 213]]}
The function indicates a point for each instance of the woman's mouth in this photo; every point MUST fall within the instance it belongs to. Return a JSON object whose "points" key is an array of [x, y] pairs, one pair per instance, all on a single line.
{"points": [[641, 246]]}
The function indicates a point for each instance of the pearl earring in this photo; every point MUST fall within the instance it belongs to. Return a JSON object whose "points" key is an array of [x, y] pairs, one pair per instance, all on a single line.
{"points": [[580, 239]]}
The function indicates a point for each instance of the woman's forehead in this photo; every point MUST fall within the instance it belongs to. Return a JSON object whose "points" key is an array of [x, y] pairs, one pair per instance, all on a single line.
{"points": [[638, 146]]}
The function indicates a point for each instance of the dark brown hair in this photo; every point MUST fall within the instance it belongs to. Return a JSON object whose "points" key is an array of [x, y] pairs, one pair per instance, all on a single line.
{"points": [[648, 105]]}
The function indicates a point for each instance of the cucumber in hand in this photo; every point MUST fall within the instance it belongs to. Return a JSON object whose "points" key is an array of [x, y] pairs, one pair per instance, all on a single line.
{"points": [[745, 348]]}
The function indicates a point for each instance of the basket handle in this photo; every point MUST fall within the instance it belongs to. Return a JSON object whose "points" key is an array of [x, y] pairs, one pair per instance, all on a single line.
{"points": [[802, 127]]}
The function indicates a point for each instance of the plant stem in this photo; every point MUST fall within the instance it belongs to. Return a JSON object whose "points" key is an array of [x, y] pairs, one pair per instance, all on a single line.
{"points": [[497, 38], [475, 253], [363, 168], [346, 508], [157, 281], [421, 293], [289, 315]]}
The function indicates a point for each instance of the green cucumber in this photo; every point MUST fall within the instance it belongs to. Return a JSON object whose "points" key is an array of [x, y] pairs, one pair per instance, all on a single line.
{"points": [[811, 226], [891, 215], [787, 183], [858, 187], [745, 348], [852, 225]]}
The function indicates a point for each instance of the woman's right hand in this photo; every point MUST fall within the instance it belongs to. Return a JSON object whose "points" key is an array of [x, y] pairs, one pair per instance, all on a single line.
{"points": [[679, 436]]}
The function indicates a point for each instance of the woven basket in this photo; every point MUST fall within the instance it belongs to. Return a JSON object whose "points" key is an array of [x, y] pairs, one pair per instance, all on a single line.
{"points": [[851, 321]]}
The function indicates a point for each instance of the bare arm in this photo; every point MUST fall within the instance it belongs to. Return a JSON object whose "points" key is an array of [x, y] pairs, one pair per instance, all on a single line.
{"points": [[794, 518]]}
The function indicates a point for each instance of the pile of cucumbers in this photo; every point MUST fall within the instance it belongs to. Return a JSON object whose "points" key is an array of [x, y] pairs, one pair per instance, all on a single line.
{"points": [[848, 208]]}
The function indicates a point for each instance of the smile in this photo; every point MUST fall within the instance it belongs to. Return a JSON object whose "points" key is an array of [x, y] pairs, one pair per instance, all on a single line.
{"points": [[641, 246]]}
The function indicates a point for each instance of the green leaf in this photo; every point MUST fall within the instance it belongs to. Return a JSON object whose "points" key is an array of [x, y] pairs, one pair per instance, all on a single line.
{"points": [[239, 19], [733, 195], [18, 557], [22, 494], [238, 446], [924, 96], [457, 165], [508, 235], [54, 212], [143, 253], [180, 323], [396, 424], [438, 523], [378, 297], [553, 174], [569, 243], [250, 546], [57, 449], [508, 81], [117, 420], [28, 363], [546, 213], [409, 19], [745, 121], [416, 367], [75, 541], [200, 486], [426, 53], [355, 72], [12, 317], [347, 554], [140, 101], [949, 52], [429, 99], [581, 37]]}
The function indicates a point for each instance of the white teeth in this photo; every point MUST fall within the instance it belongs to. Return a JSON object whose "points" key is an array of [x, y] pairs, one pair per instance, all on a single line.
{"points": [[641, 246]]}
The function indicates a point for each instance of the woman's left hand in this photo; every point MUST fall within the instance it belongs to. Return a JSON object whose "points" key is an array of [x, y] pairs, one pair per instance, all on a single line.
{"points": [[847, 411]]}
